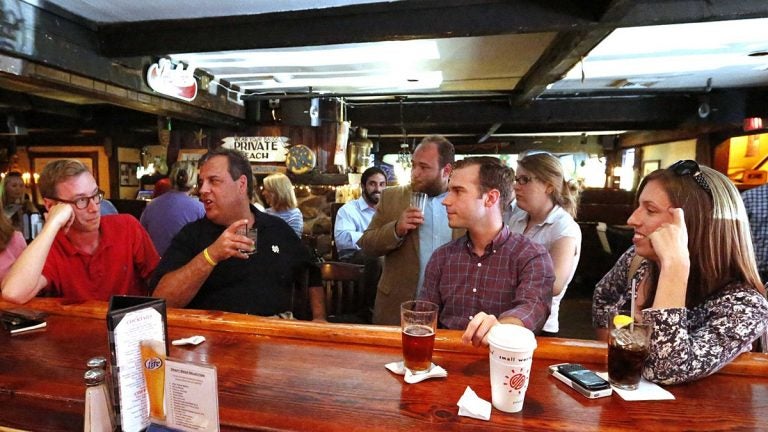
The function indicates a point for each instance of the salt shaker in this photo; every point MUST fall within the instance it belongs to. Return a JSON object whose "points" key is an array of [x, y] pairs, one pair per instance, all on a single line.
{"points": [[98, 412], [100, 363]]}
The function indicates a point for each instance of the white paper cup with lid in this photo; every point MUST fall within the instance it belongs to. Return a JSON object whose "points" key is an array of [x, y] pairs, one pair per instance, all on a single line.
{"points": [[511, 354]]}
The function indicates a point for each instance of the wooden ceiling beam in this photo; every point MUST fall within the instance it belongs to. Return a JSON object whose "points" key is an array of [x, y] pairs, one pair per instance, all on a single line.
{"points": [[546, 115], [383, 21], [370, 22]]}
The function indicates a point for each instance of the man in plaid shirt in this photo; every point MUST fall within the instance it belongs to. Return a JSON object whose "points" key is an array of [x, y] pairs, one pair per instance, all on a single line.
{"points": [[756, 202], [490, 275]]}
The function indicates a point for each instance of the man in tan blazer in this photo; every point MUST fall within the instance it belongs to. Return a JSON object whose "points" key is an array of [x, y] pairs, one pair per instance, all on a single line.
{"points": [[404, 235]]}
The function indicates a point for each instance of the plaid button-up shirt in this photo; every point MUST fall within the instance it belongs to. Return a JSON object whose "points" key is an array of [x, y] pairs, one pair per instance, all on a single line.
{"points": [[756, 203], [514, 277]]}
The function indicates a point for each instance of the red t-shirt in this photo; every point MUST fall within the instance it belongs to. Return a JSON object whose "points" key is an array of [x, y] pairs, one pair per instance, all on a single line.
{"points": [[123, 261]]}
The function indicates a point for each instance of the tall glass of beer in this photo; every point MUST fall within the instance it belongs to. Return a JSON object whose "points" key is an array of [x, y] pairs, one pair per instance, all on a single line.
{"points": [[153, 364], [418, 321]]}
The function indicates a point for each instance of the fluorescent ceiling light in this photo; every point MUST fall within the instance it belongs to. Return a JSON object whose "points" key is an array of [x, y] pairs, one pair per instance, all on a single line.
{"points": [[419, 80], [676, 49], [396, 53]]}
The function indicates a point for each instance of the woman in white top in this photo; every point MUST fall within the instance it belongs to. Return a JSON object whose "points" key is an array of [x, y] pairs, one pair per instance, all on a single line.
{"points": [[279, 194], [549, 202]]}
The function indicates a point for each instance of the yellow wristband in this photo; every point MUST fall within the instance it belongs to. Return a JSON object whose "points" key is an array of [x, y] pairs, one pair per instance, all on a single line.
{"points": [[208, 257]]}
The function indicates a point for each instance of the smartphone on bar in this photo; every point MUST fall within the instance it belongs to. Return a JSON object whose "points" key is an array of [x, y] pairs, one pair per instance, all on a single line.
{"points": [[581, 379]]}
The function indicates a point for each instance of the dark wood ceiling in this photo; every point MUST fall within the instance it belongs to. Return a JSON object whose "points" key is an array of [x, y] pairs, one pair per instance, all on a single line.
{"points": [[116, 52]]}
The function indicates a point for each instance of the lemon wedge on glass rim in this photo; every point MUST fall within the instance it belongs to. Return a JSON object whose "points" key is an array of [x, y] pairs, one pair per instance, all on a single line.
{"points": [[621, 321]]}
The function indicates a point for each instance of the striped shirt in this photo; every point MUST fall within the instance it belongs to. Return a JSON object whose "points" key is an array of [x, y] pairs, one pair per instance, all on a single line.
{"points": [[292, 217], [514, 277]]}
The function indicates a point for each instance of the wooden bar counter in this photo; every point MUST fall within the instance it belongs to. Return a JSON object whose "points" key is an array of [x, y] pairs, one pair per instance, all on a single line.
{"points": [[288, 375]]}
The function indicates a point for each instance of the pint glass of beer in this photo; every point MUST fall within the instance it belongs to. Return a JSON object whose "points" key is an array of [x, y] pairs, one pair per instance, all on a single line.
{"points": [[418, 320], [153, 364]]}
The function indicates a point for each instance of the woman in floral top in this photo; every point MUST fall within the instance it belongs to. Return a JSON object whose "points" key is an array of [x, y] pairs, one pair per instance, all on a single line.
{"points": [[696, 281]]}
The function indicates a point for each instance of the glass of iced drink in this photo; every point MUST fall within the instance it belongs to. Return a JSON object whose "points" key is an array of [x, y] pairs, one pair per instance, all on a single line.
{"points": [[628, 342]]}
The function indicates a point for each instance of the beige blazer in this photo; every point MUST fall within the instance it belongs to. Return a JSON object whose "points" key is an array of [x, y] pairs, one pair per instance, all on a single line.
{"points": [[400, 272]]}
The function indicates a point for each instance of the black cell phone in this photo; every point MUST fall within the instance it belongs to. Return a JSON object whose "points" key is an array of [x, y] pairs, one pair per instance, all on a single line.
{"points": [[22, 320], [583, 376]]}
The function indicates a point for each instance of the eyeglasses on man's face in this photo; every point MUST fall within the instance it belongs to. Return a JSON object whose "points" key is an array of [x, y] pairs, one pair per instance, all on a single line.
{"points": [[524, 179], [82, 202], [691, 168]]}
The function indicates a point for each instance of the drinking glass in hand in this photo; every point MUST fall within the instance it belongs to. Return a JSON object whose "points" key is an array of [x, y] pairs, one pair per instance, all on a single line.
{"points": [[253, 234], [418, 320], [419, 200], [627, 349]]}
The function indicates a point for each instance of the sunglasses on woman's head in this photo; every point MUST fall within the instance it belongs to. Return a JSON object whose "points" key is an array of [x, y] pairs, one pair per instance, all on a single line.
{"points": [[691, 168]]}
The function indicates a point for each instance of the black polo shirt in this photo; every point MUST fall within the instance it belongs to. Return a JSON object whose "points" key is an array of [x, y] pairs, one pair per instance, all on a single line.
{"points": [[260, 285]]}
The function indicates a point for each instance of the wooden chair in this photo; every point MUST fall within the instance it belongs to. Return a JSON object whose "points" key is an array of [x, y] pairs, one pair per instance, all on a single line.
{"points": [[334, 251], [344, 285]]}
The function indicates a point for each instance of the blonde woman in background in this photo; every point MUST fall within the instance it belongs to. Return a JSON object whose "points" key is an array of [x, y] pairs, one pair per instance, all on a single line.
{"points": [[549, 204], [256, 200], [11, 245], [281, 199], [14, 199]]}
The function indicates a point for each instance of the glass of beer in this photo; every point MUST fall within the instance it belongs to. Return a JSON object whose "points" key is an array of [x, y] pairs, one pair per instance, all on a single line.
{"points": [[418, 320], [628, 342], [153, 365]]}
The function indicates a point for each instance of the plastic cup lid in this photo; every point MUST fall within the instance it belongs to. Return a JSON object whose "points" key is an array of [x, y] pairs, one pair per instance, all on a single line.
{"points": [[512, 337]]}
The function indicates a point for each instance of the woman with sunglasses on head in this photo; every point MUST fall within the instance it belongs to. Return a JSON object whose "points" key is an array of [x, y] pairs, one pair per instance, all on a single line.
{"points": [[549, 202], [695, 276]]}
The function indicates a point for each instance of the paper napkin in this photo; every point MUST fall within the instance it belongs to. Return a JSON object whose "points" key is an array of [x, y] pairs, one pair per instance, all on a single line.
{"points": [[645, 391], [470, 405], [398, 368]]}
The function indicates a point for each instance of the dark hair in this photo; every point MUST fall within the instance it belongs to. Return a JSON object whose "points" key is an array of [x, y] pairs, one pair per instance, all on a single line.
{"points": [[370, 172], [493, 174], [6, 231], [179, 177], [238, 165], [445, 149]]}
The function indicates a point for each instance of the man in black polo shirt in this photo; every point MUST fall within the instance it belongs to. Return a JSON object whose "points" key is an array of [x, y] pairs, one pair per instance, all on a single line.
{"points": [[205, 266]]}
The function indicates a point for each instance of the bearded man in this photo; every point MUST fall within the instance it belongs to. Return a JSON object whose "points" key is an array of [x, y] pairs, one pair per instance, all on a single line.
{"points": [[404, 235]]}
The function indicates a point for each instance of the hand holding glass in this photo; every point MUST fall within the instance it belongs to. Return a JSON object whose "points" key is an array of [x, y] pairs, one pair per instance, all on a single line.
{"points": [[419, 200], [418, 320], [253, 234]]}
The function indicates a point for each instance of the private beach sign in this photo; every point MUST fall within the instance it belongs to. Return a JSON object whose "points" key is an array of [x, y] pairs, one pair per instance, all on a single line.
{"points": [[259, 148]]}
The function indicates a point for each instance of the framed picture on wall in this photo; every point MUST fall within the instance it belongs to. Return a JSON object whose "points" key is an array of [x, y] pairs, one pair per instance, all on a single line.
{"points": [[128, 174], [650, 166], [39, 160], [191, 154]]}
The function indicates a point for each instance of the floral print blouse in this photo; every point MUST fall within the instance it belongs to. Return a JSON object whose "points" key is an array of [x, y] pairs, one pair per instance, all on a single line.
{"points": [[687, 344]]}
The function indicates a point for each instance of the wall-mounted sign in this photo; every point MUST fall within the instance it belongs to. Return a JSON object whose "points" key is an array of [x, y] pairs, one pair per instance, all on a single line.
{"points": [[259, 149], [177, 82]]}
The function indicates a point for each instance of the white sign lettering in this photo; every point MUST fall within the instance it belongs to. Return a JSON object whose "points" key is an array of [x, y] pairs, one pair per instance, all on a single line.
{"points": [[176, 82], [259, 149]]}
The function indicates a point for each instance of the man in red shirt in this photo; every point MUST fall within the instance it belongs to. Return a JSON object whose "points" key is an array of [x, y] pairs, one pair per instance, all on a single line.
{"points": [[80, 255]]}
